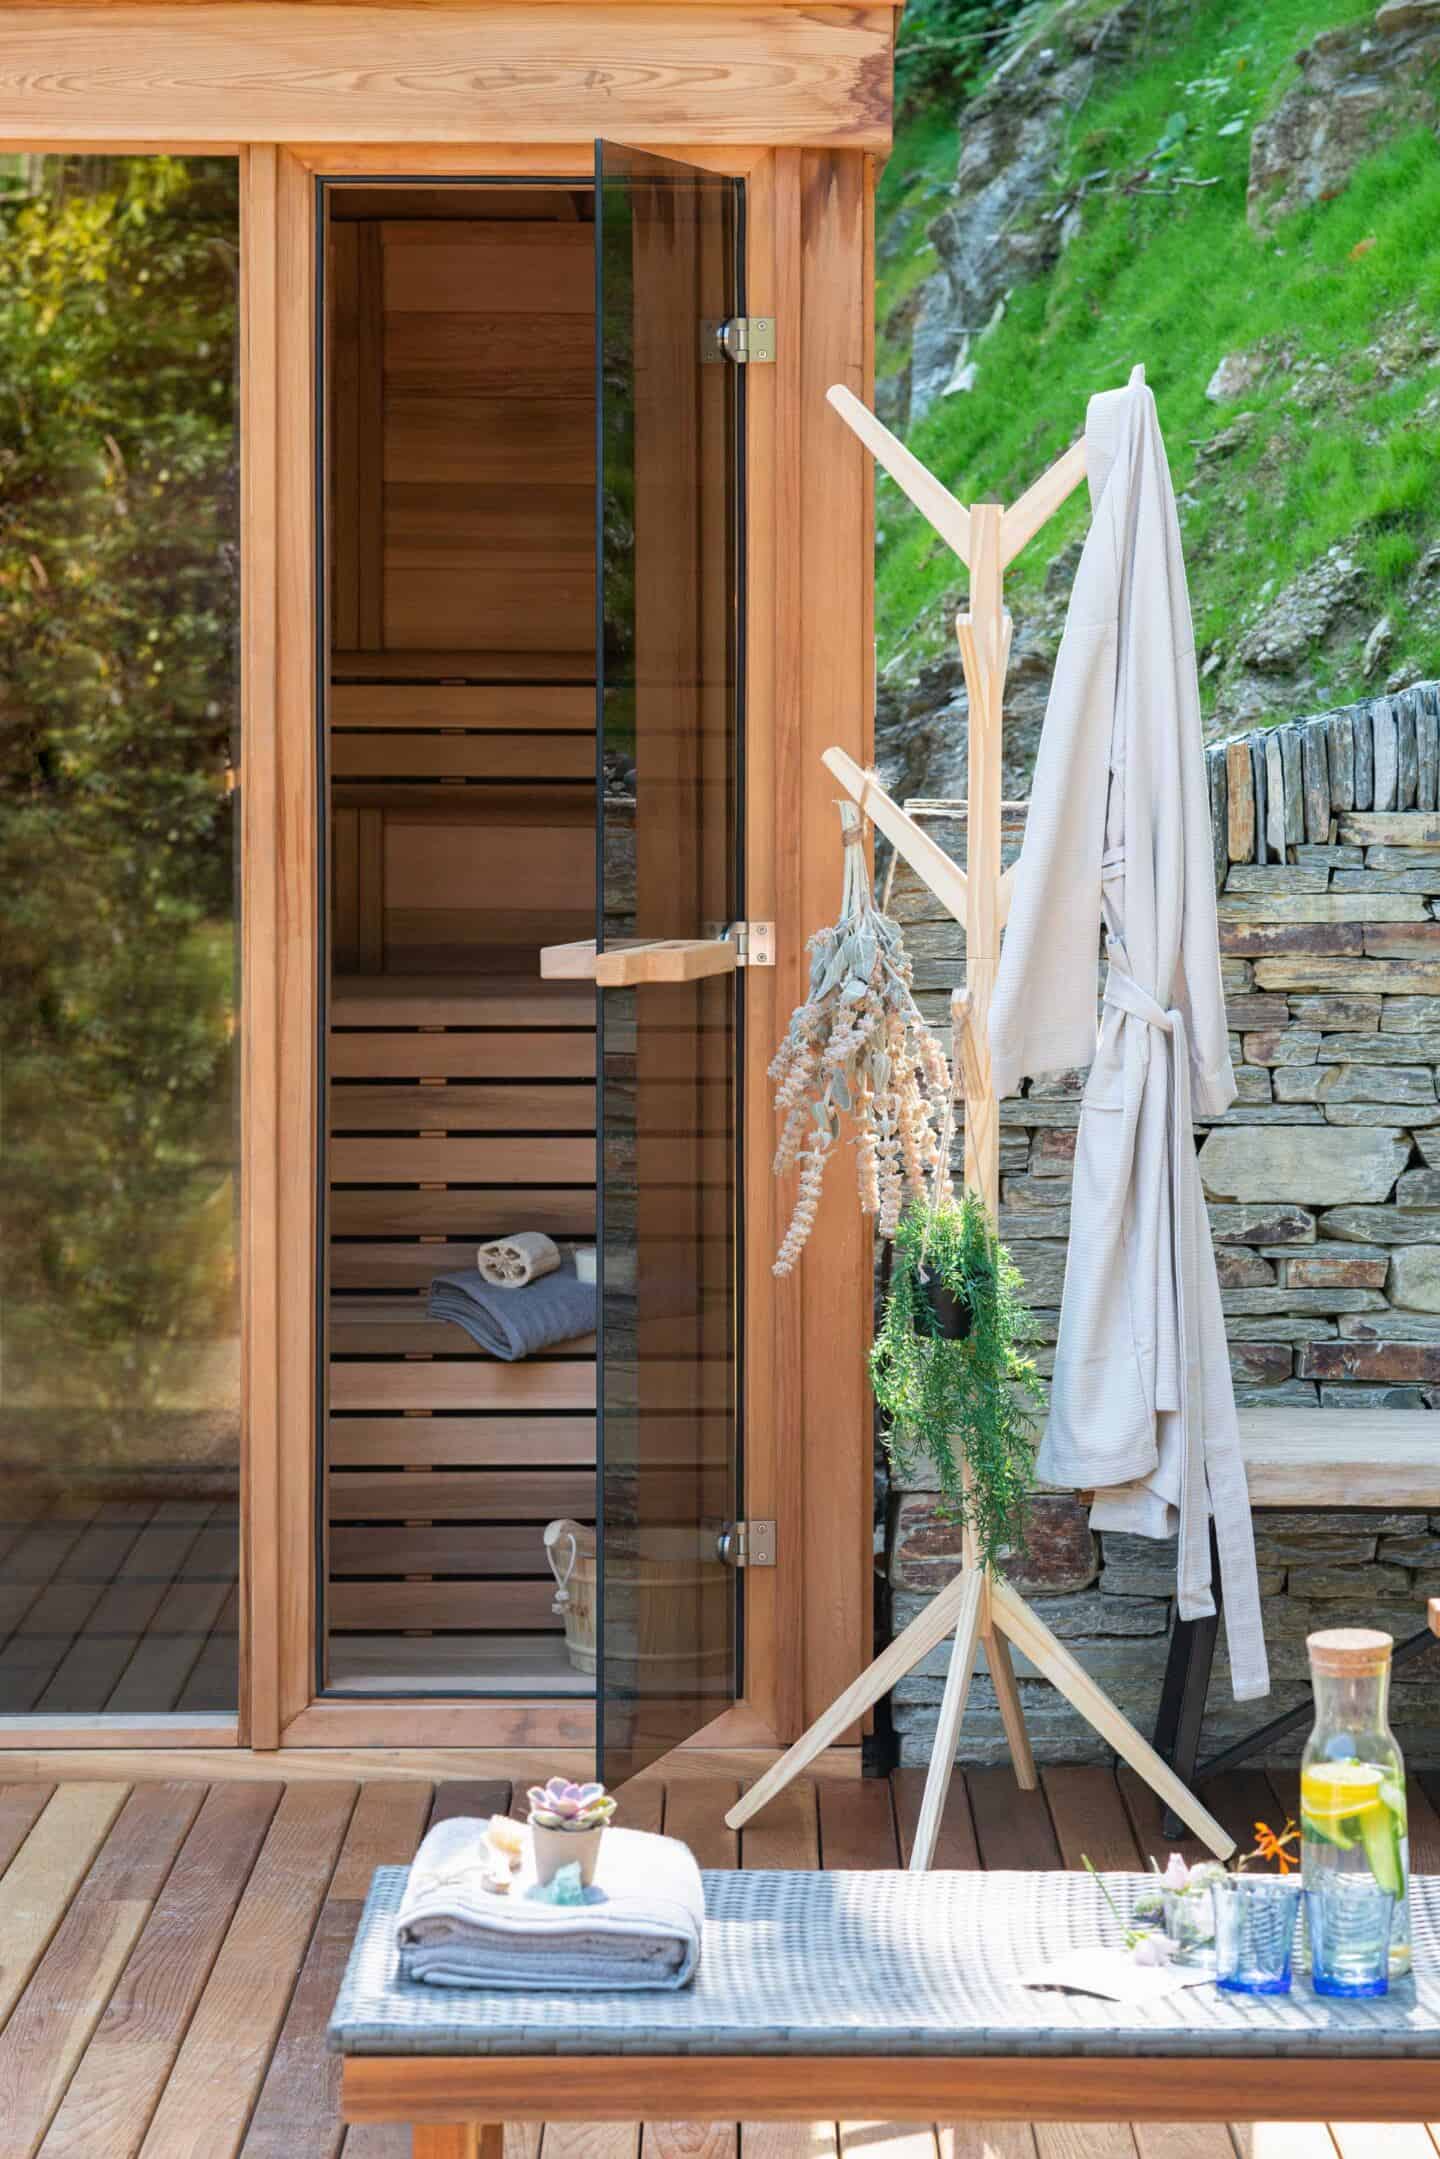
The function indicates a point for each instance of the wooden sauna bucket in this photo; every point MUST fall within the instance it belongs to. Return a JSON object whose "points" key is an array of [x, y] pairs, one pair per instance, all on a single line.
{"points": [[670, 1600]]}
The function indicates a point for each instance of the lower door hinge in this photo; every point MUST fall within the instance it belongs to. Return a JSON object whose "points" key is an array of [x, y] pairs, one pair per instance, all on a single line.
{"points": [[754, 943], [742, 338], [747, 1544]]}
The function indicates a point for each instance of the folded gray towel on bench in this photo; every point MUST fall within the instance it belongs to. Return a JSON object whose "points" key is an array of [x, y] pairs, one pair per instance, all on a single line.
{"points": [[640, 1926], [515, 1323]]}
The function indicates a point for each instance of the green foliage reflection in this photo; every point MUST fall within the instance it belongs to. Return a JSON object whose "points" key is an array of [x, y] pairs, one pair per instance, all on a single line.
{"points": [[119, 585]]}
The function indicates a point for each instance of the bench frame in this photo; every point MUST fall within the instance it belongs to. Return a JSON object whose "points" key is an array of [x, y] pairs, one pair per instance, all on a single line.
{"points": [[457, 2103]]}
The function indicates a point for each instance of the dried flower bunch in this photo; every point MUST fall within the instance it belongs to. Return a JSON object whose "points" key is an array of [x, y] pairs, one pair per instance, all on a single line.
{"points": [[859, 1047], [563, 1805]]}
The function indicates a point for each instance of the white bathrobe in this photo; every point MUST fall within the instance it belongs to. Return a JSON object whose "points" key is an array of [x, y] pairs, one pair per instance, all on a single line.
{"points": [[1141, 1410]]}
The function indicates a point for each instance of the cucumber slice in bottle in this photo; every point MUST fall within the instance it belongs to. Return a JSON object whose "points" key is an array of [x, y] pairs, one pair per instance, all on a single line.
{"points": [[1382, 1848], [1330, 1831], [1393, 1794]]}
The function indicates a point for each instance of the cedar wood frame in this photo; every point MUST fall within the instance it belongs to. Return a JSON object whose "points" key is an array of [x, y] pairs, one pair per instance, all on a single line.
{"points": [[404, 93]]}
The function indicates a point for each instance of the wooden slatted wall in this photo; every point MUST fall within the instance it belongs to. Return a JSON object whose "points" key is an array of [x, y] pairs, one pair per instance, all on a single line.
{"points": [[456, 1113]]}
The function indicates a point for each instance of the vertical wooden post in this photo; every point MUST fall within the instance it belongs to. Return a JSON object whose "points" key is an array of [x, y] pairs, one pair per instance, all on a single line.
{"points": [[260, 822], [984, 638], [832, 636], [458, 2140]]}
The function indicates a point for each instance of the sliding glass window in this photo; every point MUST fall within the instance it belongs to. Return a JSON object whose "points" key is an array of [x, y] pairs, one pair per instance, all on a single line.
{"points": [[119, 922]]}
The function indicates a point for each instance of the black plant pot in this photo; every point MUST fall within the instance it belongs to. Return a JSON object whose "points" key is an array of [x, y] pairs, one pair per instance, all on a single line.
{"points": [[953, 1317]]}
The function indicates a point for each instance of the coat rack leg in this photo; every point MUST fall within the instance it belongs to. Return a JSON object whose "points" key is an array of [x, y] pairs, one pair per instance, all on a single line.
{"points": [[952, 1711], [922, 1635], [1012, 1715], [1070, 1678]]}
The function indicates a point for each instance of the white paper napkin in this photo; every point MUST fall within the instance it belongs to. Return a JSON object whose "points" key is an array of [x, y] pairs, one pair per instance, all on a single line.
{"points": [[1114, 1975]]}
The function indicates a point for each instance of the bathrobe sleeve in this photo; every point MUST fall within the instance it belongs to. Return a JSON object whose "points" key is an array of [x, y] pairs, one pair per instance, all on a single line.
{"points": [[1043, 1010]]}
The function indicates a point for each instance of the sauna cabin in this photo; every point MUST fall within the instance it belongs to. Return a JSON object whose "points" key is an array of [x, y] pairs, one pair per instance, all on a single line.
{"points": [[491, 574]]}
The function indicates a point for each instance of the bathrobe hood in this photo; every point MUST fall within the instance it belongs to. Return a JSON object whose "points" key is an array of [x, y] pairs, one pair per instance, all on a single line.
{"points": [[1142, 1410]]}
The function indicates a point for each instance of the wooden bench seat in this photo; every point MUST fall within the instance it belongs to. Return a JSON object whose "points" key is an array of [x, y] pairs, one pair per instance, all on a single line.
{"points": [[1305, 1461], [1306, 1458]]}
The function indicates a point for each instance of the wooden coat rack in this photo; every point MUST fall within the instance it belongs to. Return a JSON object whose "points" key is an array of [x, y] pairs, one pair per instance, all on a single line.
{"points": [[979, 1605]]}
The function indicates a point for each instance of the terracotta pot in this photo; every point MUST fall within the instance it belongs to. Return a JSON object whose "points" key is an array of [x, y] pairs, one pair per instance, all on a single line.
{"points": [[557, 1848]]}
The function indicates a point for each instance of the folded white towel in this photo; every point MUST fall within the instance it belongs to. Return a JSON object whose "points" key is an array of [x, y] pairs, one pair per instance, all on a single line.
{"points": [[640, 1925]]}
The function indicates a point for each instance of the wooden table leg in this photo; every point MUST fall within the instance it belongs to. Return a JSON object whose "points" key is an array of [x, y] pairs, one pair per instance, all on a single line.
{"points": [[458, 2140]]}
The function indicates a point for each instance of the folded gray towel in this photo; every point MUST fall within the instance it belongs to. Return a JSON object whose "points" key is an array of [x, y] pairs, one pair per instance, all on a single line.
{"points": [[639, 1927], [514, 1323]]}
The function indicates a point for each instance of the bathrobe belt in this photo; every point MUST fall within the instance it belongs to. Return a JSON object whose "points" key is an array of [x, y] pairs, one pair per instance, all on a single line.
{"points": [[1211, 1472], [1124, 993]]}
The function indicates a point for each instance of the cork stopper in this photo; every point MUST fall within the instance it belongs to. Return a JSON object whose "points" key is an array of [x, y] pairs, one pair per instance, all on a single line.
{"points": [[1347, 1652]]}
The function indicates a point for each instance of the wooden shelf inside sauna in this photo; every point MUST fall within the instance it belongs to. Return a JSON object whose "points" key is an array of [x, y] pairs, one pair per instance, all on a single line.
{"points": [[461, 773]]}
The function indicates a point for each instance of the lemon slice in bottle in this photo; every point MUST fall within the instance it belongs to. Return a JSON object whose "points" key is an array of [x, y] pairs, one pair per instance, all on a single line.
{"points": [[1341, 1787], [1339, 1801], [1348, 1803]]}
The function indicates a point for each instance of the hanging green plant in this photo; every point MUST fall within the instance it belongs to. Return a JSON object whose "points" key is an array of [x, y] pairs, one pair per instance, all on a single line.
{"points": [[954, 1383]]}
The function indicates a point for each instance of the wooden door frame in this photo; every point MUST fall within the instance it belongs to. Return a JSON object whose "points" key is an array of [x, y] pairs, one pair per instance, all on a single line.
{"points": [[280, 1575], [809, 682]]}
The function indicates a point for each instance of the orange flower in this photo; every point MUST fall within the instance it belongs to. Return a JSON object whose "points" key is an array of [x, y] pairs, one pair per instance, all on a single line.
{"points": [[1273, 1849]]}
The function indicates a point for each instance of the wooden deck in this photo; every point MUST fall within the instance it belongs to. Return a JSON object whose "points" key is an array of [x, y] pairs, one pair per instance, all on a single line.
{"points": [[169, 1952]]}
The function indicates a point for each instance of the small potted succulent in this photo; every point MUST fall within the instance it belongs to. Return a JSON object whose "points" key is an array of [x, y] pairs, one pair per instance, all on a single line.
{"points": [[567, 1822]]}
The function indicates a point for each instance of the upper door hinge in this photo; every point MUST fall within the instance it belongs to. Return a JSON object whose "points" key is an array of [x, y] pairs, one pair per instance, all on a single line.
{"points": [[747, 1544], [754, 943], [742, 339]]}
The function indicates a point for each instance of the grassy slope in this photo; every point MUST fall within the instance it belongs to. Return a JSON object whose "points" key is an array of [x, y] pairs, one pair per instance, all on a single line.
{"points": [[1178, 280]]}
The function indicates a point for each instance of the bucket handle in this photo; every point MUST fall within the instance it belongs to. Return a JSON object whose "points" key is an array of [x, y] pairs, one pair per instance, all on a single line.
{"points": [[569, 1535]]}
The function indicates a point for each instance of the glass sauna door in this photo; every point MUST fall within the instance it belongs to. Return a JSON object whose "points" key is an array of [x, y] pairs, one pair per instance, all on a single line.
{"points": [[668, 246]]}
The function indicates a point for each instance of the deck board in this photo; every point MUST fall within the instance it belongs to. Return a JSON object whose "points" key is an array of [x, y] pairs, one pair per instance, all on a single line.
{"points": [[298, 2107], [171, 1952], [69, 1988], [123, 2073], [45, 1874], [206, 2105]]}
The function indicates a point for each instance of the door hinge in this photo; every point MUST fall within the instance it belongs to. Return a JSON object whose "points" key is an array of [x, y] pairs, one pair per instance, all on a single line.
{"points": [[747, 1544], [754, 943], [742, 338]]}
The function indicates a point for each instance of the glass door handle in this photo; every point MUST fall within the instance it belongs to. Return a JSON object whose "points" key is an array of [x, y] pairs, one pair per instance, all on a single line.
{"points": [[671, 959], [620, 966], [568, 963]]}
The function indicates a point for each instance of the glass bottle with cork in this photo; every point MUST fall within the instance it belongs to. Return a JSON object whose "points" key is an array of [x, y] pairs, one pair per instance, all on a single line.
{"points": [[1352, 1775]]}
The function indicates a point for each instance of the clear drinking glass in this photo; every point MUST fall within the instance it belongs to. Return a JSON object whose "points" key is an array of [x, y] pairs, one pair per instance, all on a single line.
{"points": [[1190, 1924], [1349, 1917], [1352, 1777], [1255, 1916]]}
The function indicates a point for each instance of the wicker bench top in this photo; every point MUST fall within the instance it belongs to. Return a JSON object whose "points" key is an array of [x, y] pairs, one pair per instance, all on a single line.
{"points": [[883, 1964]]}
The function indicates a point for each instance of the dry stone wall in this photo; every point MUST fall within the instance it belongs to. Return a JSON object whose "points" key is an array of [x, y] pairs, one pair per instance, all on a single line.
{"points": [[1323, 1184]]}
